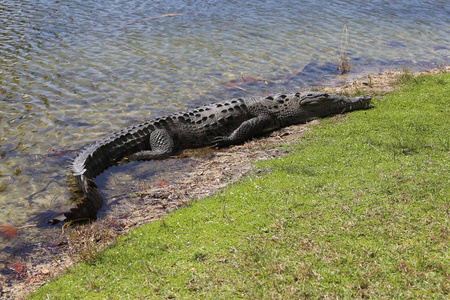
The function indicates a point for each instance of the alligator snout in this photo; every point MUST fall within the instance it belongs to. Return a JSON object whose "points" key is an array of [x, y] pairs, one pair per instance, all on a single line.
{"points": [[360, 102]]}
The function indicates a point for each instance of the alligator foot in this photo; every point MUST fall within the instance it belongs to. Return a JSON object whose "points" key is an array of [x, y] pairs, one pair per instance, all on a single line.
{"points": [[220, 142]]}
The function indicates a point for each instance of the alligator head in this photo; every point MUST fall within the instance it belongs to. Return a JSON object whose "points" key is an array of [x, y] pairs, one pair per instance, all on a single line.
{"points": [[322, 104]]}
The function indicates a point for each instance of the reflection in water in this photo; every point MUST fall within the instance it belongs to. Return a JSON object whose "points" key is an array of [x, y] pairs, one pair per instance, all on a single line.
{"points": [[74, 71]]}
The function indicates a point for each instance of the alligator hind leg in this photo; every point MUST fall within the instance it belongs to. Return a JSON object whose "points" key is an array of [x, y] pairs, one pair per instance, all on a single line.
{"points": [[162, 146]]}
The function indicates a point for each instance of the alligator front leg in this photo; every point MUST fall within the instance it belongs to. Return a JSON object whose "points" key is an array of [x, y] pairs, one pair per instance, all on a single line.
{"points": [[162, 146], [247, 130]]}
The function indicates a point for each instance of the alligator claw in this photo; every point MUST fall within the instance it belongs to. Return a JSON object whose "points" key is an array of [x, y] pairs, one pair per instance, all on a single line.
{"points": [[220, 141]]}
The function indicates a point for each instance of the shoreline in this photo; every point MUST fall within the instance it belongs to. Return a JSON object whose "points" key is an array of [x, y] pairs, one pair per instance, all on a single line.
{"points": [[210, 171]]}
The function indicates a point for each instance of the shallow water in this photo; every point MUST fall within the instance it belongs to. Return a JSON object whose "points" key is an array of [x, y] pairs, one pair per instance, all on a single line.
{"points": [[74, 71]]}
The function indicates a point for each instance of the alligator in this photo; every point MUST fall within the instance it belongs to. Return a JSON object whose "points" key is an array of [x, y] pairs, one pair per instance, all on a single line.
{"points": [[216, 125]]}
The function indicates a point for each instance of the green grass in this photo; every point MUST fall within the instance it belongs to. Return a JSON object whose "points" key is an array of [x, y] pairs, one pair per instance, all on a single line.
{"points": [[359, 209]]}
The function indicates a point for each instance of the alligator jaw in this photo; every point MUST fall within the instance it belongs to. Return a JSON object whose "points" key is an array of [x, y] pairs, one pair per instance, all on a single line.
{"points": [[362, 102], [318, 104]]}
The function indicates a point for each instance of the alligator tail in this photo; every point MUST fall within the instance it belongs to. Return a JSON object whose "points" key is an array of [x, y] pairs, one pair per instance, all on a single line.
{"points": [[96, 158], [91, 203]]}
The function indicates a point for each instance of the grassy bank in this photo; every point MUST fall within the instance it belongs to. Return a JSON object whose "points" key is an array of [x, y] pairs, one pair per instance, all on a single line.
{"points": [[358, 209]]}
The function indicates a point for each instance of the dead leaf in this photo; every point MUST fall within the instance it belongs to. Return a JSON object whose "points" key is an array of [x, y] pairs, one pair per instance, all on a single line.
{"points": [[8, 232], [246, 78], [17, 267], [161, 183]]}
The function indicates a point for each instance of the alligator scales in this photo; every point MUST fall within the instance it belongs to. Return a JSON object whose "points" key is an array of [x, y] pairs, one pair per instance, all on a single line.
{"points": [[218, 125]]}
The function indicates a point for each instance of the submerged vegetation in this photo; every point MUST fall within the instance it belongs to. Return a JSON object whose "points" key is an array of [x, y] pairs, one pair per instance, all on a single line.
{"points": [[359, 208]]}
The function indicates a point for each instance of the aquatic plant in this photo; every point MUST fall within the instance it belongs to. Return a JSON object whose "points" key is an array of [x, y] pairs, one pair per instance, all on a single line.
{"points": [[344, 63]]}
